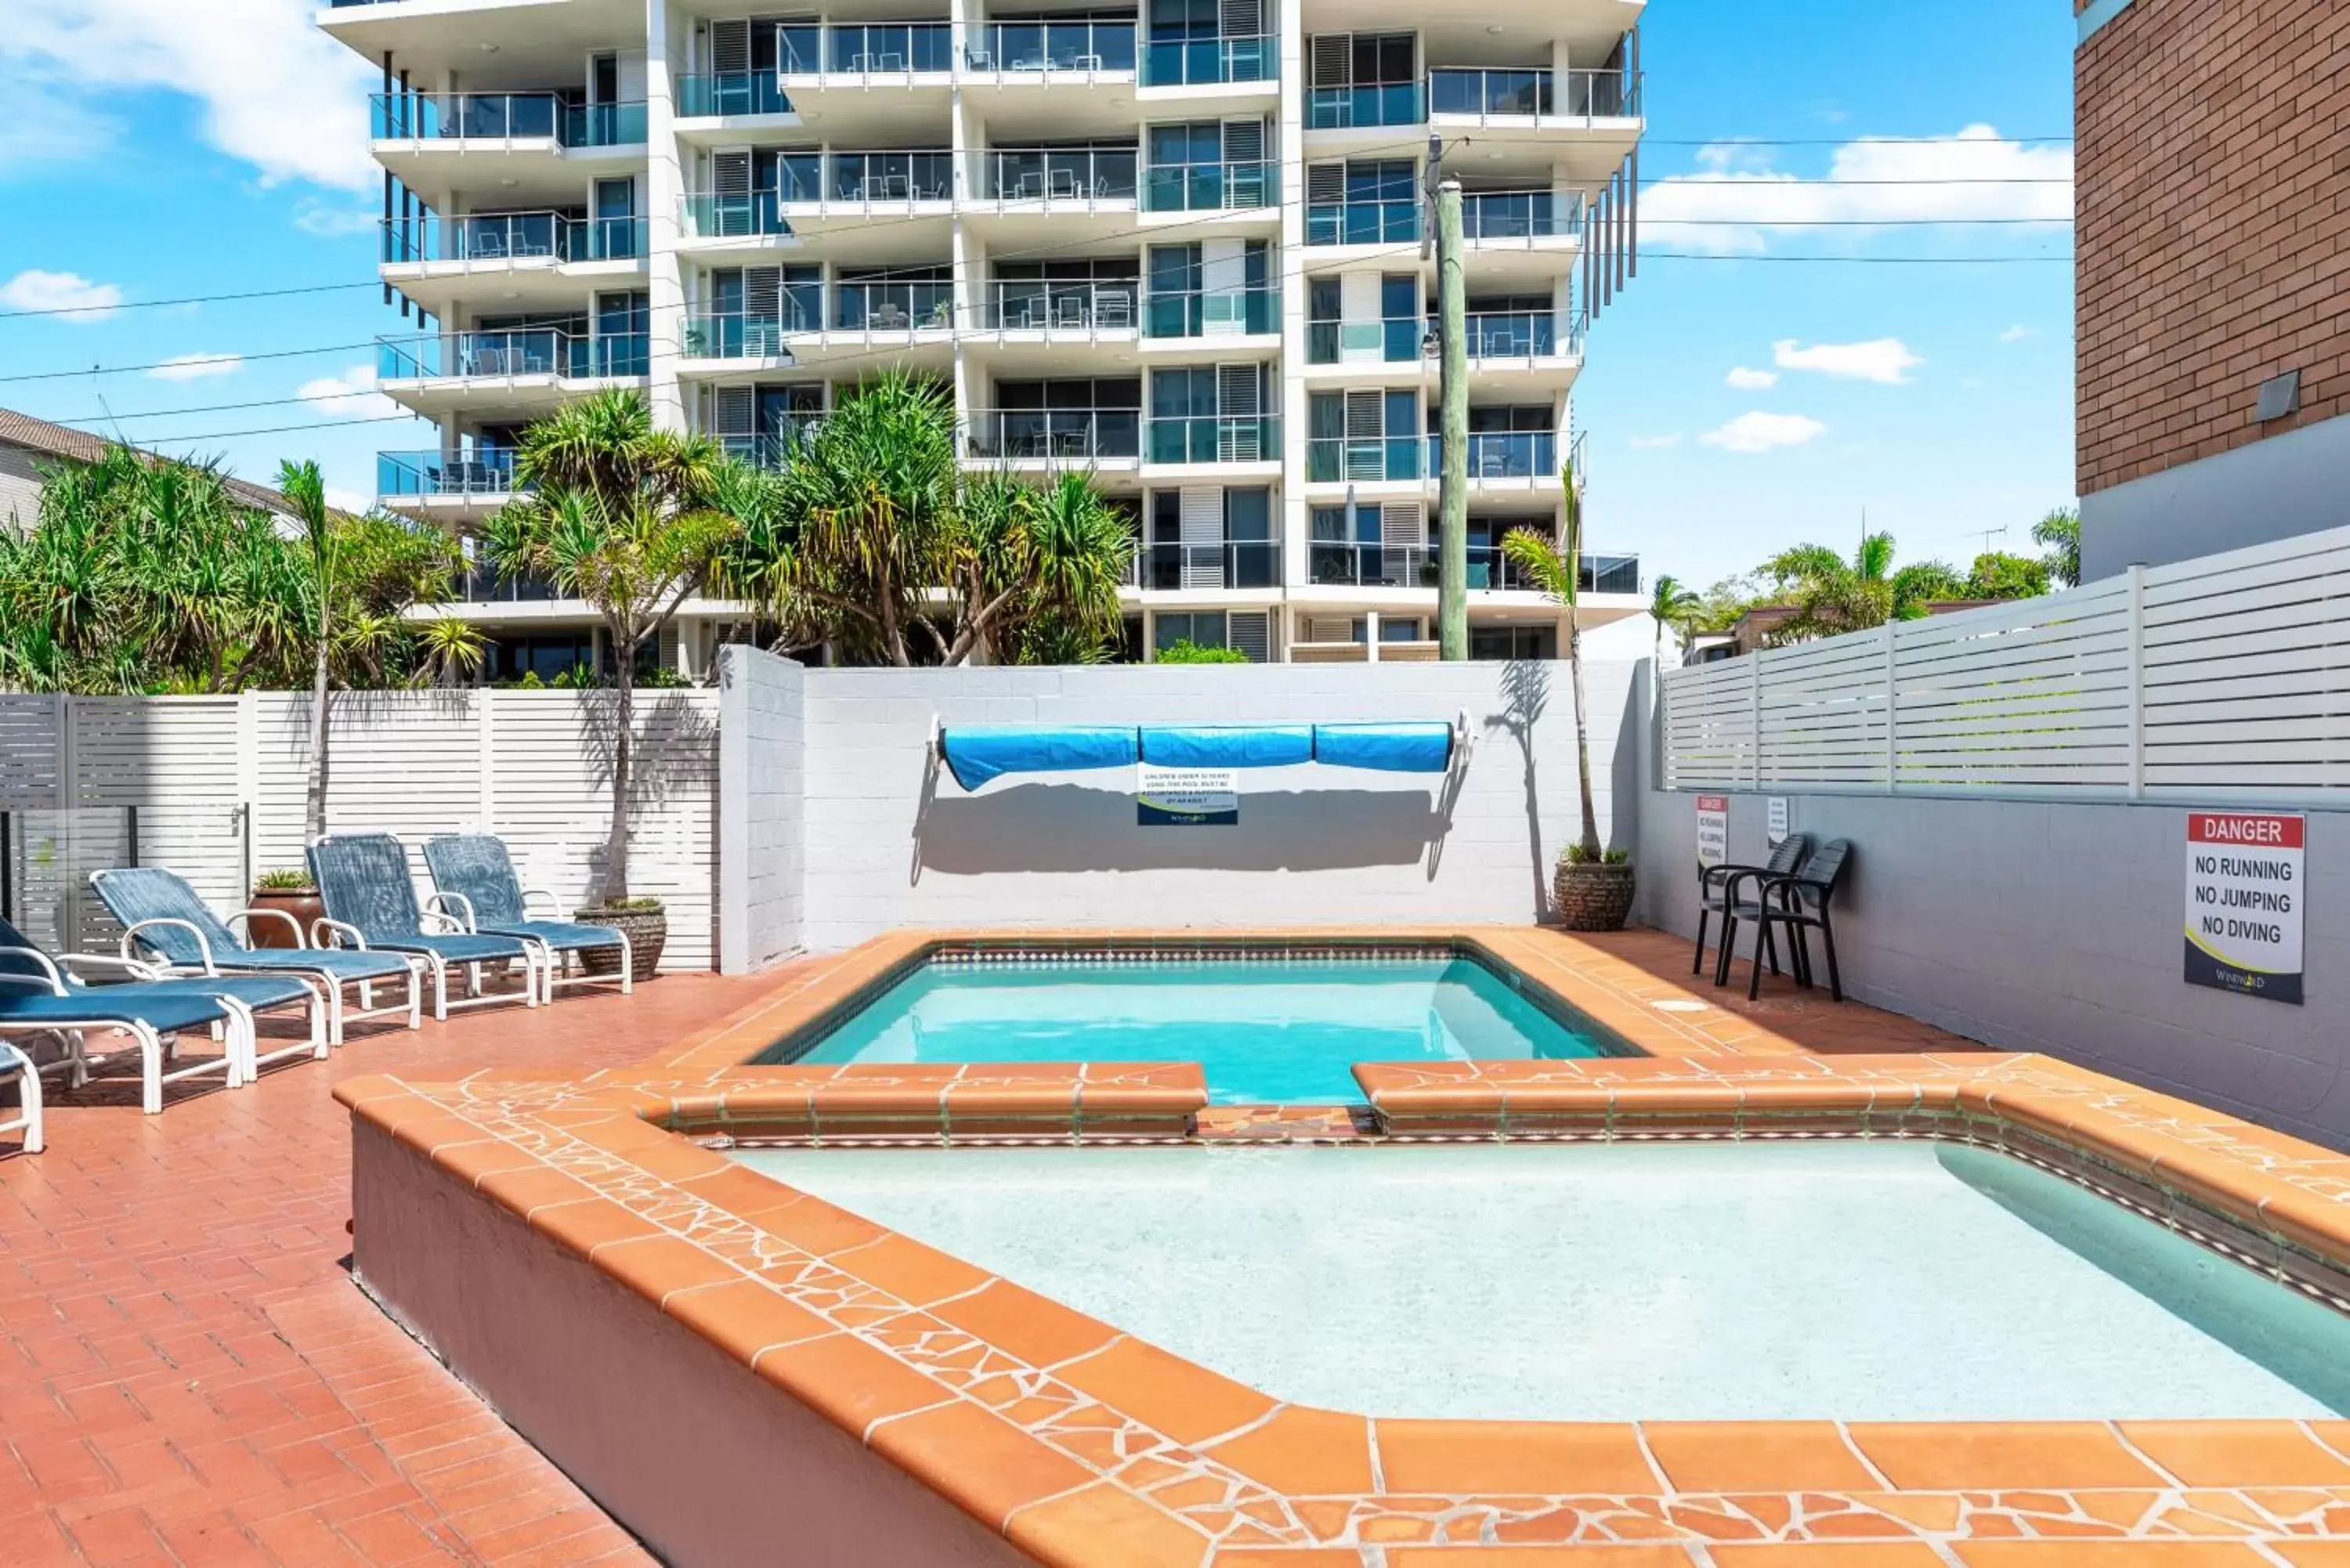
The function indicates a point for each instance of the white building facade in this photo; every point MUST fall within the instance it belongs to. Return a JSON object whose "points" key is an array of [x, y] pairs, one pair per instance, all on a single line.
{"points": [[1179, 245]]}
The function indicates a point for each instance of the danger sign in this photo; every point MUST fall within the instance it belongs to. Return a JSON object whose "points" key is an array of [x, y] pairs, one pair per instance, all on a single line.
{"points": [[1713, 830], [2244, 903]]}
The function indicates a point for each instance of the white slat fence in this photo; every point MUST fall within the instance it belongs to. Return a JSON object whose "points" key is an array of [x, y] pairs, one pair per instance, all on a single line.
{"points": [[2227, 676], [216, 783]]}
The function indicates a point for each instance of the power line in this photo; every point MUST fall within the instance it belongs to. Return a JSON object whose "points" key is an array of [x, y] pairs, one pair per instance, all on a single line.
{"points": [[166, 364], [186, 299]]}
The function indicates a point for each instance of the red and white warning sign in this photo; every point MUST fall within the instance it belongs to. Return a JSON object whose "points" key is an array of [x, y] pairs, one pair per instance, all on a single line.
{"points": [[2244, 894]]}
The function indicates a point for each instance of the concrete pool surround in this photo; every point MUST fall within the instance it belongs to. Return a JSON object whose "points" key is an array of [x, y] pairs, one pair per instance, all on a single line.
{"points": [[766, 1368]]}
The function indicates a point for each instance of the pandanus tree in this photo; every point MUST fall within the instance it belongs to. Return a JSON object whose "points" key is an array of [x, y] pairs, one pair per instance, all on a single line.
{"points": [[1832, 593], [615, 511]]}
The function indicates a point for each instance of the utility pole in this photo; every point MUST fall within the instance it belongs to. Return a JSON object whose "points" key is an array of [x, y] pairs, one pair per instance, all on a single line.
{"points": [[1452, 481]]}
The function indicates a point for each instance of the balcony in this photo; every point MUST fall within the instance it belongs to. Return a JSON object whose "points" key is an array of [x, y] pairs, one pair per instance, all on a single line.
{"points": [[731, 93], [1082, 309], [1362, 222], [1491, 215], [1209, 187], [1231, 564], [1215, 438], [1208, 62], [888, 49], [1522, 93], [1394, 341], [505, 116], [511, 354], [1016, 49], [743, 215], [1064, 176], [480, 237], [1353, 108], [1212, 313], [1075, 436], [745, 334], [485, 475], [917, 174], [482, 584], [913, 307], [1503, 455], [773, 448], [1498, 335], [1346, 564], [1349, 460]]}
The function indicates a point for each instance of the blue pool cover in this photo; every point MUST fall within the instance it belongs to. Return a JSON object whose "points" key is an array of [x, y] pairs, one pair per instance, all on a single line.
{"points": [[977, 755]]}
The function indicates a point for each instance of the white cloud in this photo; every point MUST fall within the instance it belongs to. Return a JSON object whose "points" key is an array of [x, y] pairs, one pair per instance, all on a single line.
{"points": [[193, 367], [1657, 442], [330, 220], [1759, 432], [1750, 380], [273, 90], [2017, 334], [44, 125], [80, 299], [1738, 203], [1885, 360], [350, 396], [349, 501]]}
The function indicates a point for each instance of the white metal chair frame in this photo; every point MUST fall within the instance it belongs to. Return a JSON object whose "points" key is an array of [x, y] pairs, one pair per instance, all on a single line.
{"points": [[239, 1061], [331, 933], [338, 1009], [17, 1066], [550, 962]]}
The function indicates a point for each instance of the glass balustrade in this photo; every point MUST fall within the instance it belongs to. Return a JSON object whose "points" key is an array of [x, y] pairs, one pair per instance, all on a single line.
{"points": [[1009, 47], [1084, 435], [1211, 312], [528, 351], [1207, 187], [889, 48], [1486, 92], [1231, 563], [1215, 438], [1520, 214], [1362, 222], [1194, 62], [731, 93], [512, 236], [505, 117], [483, 472], [1333, 460], [1058, 174], [1037, 306], [755, 335], [894, 306], [912, 176], [1347, 107]]}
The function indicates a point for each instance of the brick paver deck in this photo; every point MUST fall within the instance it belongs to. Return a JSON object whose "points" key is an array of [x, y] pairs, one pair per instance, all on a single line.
{"points": [[188, 1376]]}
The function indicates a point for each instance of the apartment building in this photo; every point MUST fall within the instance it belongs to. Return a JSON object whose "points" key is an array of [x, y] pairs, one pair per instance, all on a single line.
{"points": [[2213, 250], [1179, 245]]}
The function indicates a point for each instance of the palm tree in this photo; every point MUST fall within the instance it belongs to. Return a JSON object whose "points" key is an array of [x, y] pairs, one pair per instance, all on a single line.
{"points": [[1832, 595], [1557, 570], [2059, 533], [619, 514], [305, 494], [1670, 605]]}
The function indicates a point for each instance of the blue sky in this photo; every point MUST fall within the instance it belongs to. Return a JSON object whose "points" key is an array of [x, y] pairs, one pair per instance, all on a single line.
{"points": [[1937, 397]]}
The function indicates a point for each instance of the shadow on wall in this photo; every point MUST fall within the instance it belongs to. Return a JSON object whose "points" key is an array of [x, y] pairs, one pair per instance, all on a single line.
{"points": [[1073, 827], [1525, 691]]}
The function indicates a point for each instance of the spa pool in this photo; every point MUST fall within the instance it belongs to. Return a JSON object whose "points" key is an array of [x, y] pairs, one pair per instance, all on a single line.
{"points": [[1885, 1281], [1264, 1031]]}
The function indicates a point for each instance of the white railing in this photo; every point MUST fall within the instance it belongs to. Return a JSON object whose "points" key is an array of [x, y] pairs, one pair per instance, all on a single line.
{"points": [[2227, 676]]}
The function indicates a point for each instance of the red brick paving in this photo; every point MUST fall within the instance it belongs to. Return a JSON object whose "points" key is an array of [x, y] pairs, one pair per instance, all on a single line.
{"points": [[187, 1374]]}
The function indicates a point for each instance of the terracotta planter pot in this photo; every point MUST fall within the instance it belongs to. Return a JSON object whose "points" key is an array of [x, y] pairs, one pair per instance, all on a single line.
{"points": [[1593, 897], [648, 933], [304, 906]]}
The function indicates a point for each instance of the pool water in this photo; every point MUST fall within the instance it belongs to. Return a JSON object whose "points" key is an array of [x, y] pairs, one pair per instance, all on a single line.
{"points": [[1855, 1280], [1268, 1033]]}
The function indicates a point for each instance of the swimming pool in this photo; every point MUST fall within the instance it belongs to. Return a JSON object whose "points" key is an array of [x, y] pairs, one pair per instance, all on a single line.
{"points": [[1889, 1281], [1270, 1031]]}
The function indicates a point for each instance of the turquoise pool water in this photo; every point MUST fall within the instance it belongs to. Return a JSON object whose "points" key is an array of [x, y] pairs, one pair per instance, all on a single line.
{"points": [[1855, 1280], [1265, 1033]]}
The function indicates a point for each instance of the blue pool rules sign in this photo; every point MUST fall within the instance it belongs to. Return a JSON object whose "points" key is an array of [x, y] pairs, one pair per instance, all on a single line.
{"points": [[2244, 903], [1186, 797]]}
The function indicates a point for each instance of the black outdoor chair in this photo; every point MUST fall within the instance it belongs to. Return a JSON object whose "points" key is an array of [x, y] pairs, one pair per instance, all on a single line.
{"points": [[1800, 903], [1717, 893]]}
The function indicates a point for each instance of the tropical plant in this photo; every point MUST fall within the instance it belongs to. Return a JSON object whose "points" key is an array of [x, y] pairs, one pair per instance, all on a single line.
{"points": [[1183, 650], [1671, 604], [1831, 595], [1999, 576], [284, 880], [1556, 568], [450, 650], [2059, 533], [871, 539], [306, 493], [621, 515]]}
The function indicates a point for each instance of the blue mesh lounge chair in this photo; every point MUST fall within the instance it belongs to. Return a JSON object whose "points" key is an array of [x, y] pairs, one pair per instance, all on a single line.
{"points": [[163, 916], [370, 903], [14, 1065], [44, 995], [474, 871]]}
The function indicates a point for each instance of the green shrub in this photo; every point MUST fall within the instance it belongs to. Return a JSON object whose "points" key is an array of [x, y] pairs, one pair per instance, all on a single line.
{"points": [[1186, 652], [284, 880]]}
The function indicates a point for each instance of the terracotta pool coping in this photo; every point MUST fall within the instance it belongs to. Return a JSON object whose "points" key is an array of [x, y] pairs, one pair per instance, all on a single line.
{"points": [[1085, 1446]]}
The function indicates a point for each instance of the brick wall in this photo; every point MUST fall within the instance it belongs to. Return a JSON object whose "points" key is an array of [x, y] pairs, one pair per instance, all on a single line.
{"points": [[2213, 226]]}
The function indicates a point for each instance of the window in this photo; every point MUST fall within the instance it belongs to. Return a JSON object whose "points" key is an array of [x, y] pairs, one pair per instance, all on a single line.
{"points": [[1501, 642], [545, 654], [1201, 629], [1401, 325]]}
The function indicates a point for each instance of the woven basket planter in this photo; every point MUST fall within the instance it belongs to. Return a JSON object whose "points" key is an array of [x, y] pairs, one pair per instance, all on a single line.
{"points": [[1593, 897], [648, 933]]}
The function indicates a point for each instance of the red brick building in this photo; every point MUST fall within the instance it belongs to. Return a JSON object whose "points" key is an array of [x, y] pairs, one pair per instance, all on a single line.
{"points": [[2214, 275]]}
